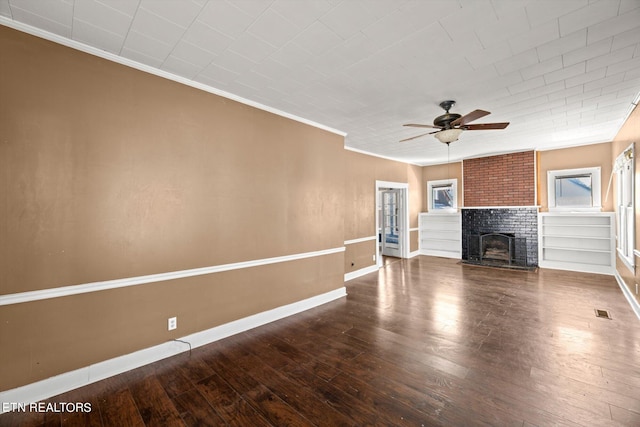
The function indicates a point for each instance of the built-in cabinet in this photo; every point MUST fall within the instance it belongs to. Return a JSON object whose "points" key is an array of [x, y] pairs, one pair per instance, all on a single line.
{"points": [[441, 234], [577, 241]]}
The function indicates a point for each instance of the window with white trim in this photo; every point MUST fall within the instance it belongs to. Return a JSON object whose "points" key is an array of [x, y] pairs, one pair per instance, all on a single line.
{"points": [[625, 206], [442, 195], [574, 189]]}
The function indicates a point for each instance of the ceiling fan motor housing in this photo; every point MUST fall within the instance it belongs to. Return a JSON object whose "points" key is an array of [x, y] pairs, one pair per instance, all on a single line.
{"points": [[444, 120]]}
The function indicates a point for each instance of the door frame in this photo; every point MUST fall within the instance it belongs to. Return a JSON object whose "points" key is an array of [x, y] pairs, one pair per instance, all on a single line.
{"points": [[404, 186]]}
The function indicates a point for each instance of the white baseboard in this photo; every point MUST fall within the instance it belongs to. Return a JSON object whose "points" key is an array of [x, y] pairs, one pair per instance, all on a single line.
{"points": [[439, 253], [53, 386], [414, 253], [627, 294], [361, 272]]}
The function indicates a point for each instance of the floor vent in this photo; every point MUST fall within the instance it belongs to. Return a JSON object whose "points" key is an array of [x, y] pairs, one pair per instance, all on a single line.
{"points": [[602, 313]]}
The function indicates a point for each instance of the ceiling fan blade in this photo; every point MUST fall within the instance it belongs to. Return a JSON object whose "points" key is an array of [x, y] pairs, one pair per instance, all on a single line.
{"points": [[416, 125], [485, 126], [474, 115], [414, 137]]}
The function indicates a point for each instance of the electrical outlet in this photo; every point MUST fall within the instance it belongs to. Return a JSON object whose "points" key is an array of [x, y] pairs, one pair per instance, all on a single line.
{"points": [[636, 289], [374, 257], [172, 323]]}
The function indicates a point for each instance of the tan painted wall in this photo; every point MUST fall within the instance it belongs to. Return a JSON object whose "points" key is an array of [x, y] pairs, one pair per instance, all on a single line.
{"points": [[108, 173], [438, 172], [573, 158], [628, 134], [361, 174]]}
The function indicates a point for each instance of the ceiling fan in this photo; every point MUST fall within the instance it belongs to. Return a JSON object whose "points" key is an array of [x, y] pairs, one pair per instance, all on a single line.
{"points": [[451, 125]]}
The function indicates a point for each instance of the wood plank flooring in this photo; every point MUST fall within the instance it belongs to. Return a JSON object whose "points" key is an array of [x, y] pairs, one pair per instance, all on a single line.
{"points": [[423, 342]]}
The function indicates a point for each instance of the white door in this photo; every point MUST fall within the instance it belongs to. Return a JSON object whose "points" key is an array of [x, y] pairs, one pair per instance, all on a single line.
{"points": [[392, 223]]}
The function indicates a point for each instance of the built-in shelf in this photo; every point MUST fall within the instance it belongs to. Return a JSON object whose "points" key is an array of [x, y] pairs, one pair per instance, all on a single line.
{"points": [[441, 234], [577, 241]]}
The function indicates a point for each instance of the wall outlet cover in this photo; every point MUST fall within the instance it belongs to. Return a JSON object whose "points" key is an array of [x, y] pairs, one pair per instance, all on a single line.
{"points": [[172, 323]]}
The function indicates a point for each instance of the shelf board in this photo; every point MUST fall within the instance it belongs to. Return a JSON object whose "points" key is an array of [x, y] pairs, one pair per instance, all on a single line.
{"points": [[575, 237], [604, 251]]}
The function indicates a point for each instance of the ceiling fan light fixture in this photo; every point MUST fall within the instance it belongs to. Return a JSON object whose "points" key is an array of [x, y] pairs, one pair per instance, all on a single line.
{"points": [[447, 136]]}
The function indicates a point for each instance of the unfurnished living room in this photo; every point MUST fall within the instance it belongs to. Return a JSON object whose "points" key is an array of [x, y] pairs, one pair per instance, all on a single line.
{"points": [[319, 212]]}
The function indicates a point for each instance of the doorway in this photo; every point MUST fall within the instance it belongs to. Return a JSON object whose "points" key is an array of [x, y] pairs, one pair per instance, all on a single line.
{"points": [[392, 218]]}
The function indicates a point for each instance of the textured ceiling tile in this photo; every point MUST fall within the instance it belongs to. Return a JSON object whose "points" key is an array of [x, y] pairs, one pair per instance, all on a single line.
{"points": [[535, 37], [517, 62], [586, 16], [565, 73], [302, 13], [611, 58], [89, 34], [206, 38], [317, 38], [102, 16], [499, 51], [348, 18], [273, 28], [123, 6], [225, 18], [544, 67], [156, 27], [192, 54], [590, 51], [614, 26], [148, 46], [562, 45], [179, 12], [511, 25], [526, 85], [251, 47], [627, 38], [180, 68], [543, 11], [605, 82], [141, 57], [43, 22], [623, 66], [585, 78], [5, 10]]}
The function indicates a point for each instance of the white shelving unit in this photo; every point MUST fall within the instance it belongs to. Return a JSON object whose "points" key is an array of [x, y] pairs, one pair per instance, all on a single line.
{"points": [[577, 242], [441, 234]]}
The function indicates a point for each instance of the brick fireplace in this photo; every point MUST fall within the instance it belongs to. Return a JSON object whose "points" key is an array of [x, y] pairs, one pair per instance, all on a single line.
{"points": [[500, 220]]}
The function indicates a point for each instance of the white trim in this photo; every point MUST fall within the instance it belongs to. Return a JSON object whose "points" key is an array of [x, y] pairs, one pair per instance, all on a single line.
{"points": [[636, 252], [415, 253], [355, 274], [625, 261], [627, 294], [360, 240], [393, 185], [74, 44], [453, 183], [596, 192], [80, 377], [441, 253], [64, 291], [368, 153], [500, 207]]}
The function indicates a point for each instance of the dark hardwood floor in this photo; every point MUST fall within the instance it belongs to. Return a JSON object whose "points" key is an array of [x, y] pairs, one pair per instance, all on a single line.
{"points": [[423, 342]]}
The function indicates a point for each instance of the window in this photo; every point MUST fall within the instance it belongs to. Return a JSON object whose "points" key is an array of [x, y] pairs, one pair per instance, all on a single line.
{"points": [[625, 206], [574, 189], [442, 195]]}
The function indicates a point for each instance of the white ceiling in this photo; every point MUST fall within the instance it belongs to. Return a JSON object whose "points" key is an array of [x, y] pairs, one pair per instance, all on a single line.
{"points": [[563, 72]]}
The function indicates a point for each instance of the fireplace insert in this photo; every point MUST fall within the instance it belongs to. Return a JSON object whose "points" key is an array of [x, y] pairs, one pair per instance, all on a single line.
{"points": [[493, 248]]}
